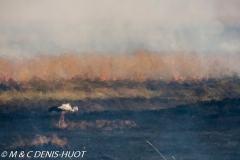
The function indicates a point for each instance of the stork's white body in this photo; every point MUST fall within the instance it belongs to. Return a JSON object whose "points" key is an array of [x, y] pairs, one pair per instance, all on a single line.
{"points": [[63, 108], [67, 107]]}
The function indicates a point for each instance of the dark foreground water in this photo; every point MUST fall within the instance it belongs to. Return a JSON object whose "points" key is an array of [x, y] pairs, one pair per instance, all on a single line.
{"points": [[206, 130]]}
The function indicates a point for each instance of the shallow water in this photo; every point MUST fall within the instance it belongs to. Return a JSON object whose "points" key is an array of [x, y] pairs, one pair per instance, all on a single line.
{"points": [[208, 130]]}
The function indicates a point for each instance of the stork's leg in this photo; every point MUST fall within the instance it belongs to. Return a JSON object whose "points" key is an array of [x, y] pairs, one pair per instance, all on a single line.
{"points": [[61, 120]]}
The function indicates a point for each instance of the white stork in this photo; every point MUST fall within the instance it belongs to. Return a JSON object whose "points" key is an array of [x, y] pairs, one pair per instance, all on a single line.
{"points": [[63, 109]]}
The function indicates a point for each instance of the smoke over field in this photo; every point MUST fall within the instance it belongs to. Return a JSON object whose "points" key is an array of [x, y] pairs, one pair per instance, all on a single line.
{"points": [[140, 65]]}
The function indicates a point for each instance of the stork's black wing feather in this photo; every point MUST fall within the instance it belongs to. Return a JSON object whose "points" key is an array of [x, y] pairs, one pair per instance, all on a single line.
{"points": [[55, 108]]}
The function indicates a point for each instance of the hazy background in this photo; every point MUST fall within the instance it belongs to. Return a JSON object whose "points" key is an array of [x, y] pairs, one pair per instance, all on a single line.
{"points": [[30, 27]]}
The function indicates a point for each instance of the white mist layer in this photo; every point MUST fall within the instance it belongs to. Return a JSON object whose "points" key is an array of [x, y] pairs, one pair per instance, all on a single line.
{"points": [[28, 27]]}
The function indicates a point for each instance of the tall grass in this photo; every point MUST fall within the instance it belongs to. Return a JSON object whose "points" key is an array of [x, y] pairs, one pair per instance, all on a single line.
{"points": [[139, 66]]}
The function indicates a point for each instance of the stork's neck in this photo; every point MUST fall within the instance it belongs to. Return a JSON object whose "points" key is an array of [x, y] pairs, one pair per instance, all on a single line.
{"points": [[74, 109]]}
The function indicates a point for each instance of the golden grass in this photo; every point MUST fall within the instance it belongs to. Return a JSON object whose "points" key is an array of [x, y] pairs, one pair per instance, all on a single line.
{"points": [[77, 89], [98, 93], [109, 93]]}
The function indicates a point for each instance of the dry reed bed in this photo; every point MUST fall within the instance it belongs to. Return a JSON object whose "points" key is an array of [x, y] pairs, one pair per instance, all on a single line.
{"points": [[140, 65]]}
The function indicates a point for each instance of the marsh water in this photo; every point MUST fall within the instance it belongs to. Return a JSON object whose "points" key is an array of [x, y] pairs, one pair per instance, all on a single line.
{"points": [[203, 130]]}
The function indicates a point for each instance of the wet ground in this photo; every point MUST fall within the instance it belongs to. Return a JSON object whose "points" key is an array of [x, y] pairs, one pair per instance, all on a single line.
{"points": [[204, 130]]}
